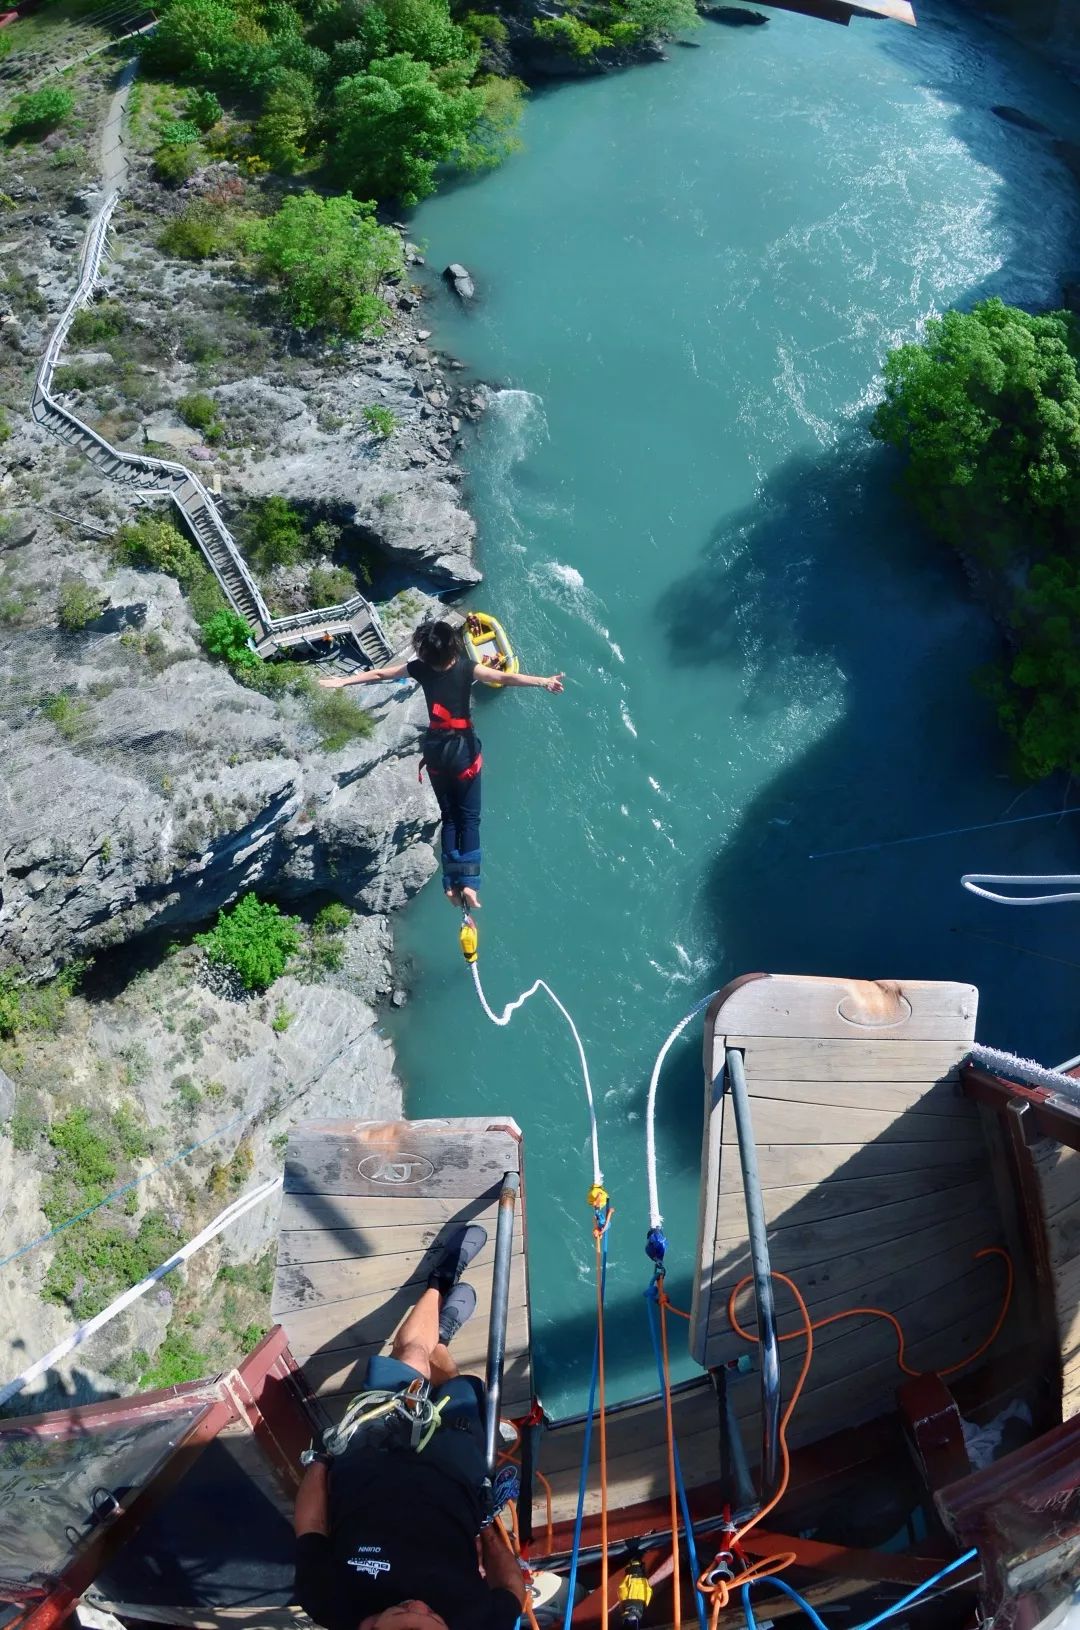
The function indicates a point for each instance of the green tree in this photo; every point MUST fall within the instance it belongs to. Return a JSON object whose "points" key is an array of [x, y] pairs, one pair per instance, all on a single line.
{"points": [[227, 635], [396, 123], [290, 113], [209, 40], [157, 546], [203, 109], [987, 409], [1038, 695], [37, 112], [254, 939], [328, 257]]}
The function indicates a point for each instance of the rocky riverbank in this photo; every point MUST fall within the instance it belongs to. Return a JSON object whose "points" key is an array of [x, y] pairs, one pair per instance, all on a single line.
{"points": [[145, 787]]}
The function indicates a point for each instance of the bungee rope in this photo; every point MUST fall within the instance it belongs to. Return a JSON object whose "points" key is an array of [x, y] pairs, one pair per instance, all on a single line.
{"points": [[469, 940], [655, 1219], [973, 881]]}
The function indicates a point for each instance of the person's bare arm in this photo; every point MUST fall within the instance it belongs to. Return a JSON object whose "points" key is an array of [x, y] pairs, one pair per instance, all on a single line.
{"points": [[494, 676], [312, 1514], [368, 678], [501, 1568]]}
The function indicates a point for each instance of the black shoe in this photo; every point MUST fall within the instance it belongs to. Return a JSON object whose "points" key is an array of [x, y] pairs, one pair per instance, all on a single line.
{"points": [[461, 1247], [458, 1308]]}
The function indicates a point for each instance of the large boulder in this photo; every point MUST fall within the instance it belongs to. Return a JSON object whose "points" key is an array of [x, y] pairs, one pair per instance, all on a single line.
{"points": [[458, 279]]}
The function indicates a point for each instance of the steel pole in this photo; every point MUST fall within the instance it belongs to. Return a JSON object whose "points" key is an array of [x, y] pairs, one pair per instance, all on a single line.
{"points": [[500, 1299]]}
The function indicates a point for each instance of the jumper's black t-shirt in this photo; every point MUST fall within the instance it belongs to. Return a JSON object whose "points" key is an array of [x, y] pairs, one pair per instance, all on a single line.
{"points": [[450, 743], [402, 1530]]}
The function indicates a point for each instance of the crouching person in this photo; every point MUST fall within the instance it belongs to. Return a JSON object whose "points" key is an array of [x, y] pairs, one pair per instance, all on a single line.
{"points": [[390, 1536]]}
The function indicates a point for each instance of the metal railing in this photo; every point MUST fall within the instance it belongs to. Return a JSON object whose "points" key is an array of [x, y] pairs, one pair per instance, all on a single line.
{"points": [[500, 1303], [168, 477], [761, 1266]]}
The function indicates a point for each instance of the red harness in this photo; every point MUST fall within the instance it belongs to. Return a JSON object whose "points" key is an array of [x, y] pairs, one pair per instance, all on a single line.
{"points": [[443, 719]]}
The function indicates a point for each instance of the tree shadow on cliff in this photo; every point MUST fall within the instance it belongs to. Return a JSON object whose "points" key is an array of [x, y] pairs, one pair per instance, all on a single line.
{"points": [[855, 641]]}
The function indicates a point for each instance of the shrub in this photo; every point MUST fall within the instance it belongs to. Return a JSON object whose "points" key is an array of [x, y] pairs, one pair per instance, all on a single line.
{"points": [[333, 918], [254, 939], [5, 425], [66, 713], [97, 324], [203, 110], [277, 534], [200, 412], [11, 1009], [175, 164], [486, 27], [571, 34], [95, 1261], [289, 116], [77, 605], [37, 112], [380, 420], [177, 1360], [178, 133], [156, 545], [1038, 694], [330, 587], [282, 1019], [197, 233], [987, 409], [338, 720], [227, 635], [327, 257]]}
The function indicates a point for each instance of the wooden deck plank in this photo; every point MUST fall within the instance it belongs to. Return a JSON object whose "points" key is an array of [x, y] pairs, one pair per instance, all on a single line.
{"points": [[797, 1005], [368, 1211], [784, 1164], [364, 1204], [810, 1058], [449, 1158], [786, 1123], [866, 1275], [298, 1246], [359, 1320], [941, 1099], [1058, 1172], [838, 1197], [796, 1239], [342, 1279]]}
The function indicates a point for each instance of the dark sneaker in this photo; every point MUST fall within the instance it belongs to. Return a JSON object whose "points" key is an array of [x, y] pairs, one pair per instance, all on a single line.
{"points": [[458, 1307], [461, 1247], [506, 1487]]}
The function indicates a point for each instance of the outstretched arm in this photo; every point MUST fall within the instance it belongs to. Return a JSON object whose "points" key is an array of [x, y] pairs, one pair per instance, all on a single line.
{"points": [[494, 676], [339, 682], [312, 1515]]}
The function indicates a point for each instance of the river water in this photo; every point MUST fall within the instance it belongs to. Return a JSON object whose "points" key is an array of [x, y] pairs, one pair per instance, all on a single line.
{"points": [[687, 282]]}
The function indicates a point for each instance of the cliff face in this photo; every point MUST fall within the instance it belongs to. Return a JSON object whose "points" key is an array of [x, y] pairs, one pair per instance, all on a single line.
{"points": [[1052, 26]]}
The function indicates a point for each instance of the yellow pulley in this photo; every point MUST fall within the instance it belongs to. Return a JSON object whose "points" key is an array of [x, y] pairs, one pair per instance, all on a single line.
{"points": [[597, 1197]]}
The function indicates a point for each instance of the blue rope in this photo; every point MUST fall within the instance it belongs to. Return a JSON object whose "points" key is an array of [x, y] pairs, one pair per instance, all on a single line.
{"points": [[868, 1624], [688, 1527], [949, 832], [586, 1446], [125, 1188]]}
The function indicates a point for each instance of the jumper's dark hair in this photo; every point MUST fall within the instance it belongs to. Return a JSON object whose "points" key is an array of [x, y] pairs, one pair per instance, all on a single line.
{"points": [[437, 643]]}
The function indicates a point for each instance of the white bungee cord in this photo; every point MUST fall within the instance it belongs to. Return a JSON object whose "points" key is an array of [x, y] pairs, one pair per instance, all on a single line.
{"points": [[973, 881]]}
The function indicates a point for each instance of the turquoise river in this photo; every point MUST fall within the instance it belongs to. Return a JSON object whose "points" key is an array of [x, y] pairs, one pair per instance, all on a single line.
{"points": [[687, 280]]}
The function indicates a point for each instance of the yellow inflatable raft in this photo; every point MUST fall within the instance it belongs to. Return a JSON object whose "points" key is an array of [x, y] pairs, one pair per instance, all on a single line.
{"points": [[487, 644]]}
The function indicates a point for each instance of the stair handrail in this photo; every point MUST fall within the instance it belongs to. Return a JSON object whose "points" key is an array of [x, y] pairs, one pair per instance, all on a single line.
{"points": [[761, 1266], [179, 474]]}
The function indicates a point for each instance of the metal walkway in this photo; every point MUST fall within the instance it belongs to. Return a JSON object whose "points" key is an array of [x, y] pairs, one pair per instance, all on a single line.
{"points": [[355, 622]]}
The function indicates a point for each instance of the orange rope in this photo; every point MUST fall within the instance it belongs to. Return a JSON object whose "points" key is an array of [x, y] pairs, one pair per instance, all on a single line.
{"points": [[510, 1457], [514, 1547], [881, 1313], [598, 1233], [661, 1297]]}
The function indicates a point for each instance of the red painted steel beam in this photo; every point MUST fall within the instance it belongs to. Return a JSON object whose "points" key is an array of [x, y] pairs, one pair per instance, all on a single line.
{"points": [[1053, 1115], [112, 1412], [818, 1556]]}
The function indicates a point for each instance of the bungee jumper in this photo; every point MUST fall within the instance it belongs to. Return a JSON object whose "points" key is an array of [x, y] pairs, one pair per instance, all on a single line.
{"points": [[451, 750]]}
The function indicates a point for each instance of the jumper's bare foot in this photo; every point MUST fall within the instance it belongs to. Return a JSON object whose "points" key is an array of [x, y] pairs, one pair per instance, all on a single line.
{"points": [[470, 899], [454, 896]]}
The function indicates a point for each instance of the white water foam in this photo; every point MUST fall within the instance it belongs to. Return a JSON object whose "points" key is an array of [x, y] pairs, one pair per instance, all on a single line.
{"points": [[567, 587], [624, 712]]}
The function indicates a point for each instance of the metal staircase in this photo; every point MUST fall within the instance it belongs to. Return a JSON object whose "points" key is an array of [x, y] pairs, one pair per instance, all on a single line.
{"points": [[351, 626]]}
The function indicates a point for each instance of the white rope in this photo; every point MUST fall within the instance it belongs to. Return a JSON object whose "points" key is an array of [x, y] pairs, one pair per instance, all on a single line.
{"points": [[84, 1331], [504, 1018], [972, 880], [1026, 1070], [655, 1219]]}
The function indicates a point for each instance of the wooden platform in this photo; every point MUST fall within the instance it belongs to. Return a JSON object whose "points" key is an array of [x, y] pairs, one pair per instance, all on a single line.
{"points": [[876, 1181], [1058, 1169], [364, 1202]]}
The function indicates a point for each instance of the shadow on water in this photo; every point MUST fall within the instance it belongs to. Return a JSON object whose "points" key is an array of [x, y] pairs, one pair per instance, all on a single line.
{"points": [[823, 574]]}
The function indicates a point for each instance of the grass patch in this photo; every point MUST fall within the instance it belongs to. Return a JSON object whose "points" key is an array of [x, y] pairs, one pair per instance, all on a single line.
{"points": [[67, 713], [77, 605], [338, 720]]}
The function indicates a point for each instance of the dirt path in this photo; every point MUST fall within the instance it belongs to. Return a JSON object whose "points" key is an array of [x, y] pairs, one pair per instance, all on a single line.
{"points": [[113, 156]]}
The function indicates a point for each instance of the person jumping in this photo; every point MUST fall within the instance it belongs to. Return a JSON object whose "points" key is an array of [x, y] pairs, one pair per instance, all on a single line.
{"points": [[451, 752]]}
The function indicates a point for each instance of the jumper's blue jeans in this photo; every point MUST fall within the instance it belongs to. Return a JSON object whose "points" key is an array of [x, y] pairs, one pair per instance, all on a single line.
{"points": [[459, 805]]}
